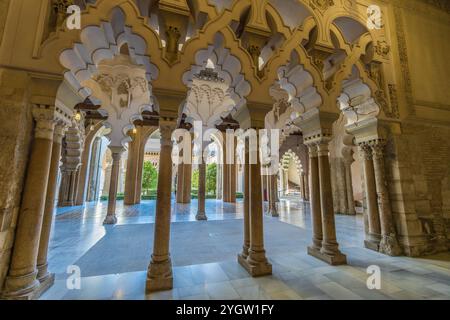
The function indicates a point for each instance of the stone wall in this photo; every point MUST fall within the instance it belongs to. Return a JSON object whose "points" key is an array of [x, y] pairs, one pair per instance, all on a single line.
{"points": [[16, 130], [418, 168], [4, 6]]}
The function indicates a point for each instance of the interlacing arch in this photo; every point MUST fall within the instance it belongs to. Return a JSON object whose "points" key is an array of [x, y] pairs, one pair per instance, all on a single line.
{"points": [[287, 158], [328, 82]]}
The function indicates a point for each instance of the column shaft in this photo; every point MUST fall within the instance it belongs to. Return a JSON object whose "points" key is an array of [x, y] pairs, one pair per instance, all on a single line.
{"points": [[373, 218], [201, 215], [389, 243], [330, 248], [112, 198], [159, 275], [349, 186], [256, 263], [45, 278], [316, 212], [21, 282], [243, 256]]}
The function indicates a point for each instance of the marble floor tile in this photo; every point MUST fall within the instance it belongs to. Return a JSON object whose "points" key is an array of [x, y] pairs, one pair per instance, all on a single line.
{"points": [[114, 259]]}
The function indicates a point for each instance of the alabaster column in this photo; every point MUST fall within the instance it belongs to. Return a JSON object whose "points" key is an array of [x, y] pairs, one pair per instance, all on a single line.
{"points": [[243, 256], [68, 184], [187, 179], [132, 169], [256, 263], [330, 249], [45, 278], [349, 186], [111, 217], [373, 219], [94, 172], [389, 243], [180, 183], [159, 275], [21, 282], [316, 212], [201, 215], [272, 196]]}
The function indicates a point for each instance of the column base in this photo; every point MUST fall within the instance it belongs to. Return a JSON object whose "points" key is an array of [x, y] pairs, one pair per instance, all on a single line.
{"points": [[255, 269], [372, 245], [159, 276], [389, 245], [45, 284], [17, 288], [110, 220], [273, 213], [334, 260], [201, 216]]}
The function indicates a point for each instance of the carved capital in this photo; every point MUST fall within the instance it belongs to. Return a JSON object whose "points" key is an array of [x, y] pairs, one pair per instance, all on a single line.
{"points": [[45, 122], [166, 127]]}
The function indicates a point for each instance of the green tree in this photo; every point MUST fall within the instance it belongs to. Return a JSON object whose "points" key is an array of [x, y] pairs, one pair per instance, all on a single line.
{"points": [[195, 175], [149, 177], [211, 179]]}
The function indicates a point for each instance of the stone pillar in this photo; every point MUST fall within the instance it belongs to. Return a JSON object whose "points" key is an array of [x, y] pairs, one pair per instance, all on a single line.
{"points": [[243, 256], [316, 212], [330, 249], [349, 185], [131, 177], [116, 153], [21, 282], [286, 181], [219, 181], [94, 172], [388, 244], [201, 215], [140, 169], [272, 196], [45, 278], [256, 263], [187, 172], [373, 219], [159, 275], [67, 188], [180, 183]]}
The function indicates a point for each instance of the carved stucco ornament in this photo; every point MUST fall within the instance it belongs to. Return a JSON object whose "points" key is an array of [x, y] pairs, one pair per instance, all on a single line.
{"points": [[321, 5]]}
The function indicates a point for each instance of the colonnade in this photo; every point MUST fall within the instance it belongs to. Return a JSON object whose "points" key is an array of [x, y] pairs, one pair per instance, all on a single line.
{"points": [[28, 274], [380, 230]]}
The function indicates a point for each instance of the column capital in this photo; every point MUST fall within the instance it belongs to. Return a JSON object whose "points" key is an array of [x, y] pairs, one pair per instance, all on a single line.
{"points": [[45, 121], [166, 127], [365, 152], [60, 131], [116, 152], [323, 149], [313, 152]]}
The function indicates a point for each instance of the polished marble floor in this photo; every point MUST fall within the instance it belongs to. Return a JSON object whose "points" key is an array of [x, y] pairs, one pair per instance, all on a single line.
{"points": [[113, 259]]}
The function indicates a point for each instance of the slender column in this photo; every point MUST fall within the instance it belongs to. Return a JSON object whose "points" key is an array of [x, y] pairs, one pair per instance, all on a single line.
{"points": [[140, 169], [45, 278], [225, 174], [159, 275], [132, 169], [113, 185], [256, 263], [388, 244], [94, 170], [272, 196], [187, 173], [219, 181], [349, 186], [330, 249], [180, 183], [201, 215], [316, 214], [243, 256], [286, 181], [373, 219], [232, 184], [21, 282]]}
